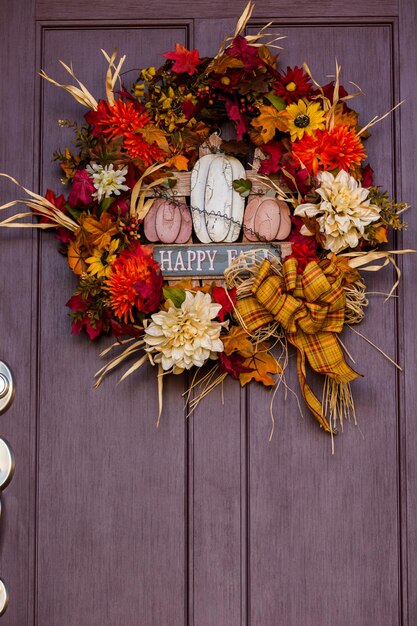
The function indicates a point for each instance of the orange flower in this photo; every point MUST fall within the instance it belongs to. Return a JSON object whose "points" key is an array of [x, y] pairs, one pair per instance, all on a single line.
{"points": [[326, 150], [125, 119], [134, 281]]}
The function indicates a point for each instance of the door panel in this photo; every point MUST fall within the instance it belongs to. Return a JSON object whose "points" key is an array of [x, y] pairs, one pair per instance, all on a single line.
{"points": [[202, 522]]}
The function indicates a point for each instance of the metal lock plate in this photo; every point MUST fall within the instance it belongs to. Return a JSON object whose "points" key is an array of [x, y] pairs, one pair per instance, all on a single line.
{"points": [[7, 387]]}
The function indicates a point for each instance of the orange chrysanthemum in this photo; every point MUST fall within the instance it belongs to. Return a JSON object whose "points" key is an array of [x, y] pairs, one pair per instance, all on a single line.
{"points": [[326, 150], [125, 119], [135, 281]]}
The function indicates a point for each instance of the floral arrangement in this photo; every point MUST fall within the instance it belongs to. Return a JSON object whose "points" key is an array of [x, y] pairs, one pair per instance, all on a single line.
{"points": [[135, 146]]}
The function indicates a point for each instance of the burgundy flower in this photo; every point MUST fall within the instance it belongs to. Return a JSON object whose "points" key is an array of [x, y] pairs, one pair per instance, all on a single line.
{"points": [[82, 189]]}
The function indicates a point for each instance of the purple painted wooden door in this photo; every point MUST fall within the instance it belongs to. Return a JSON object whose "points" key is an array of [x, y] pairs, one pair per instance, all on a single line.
{"points": [[111, 522]]}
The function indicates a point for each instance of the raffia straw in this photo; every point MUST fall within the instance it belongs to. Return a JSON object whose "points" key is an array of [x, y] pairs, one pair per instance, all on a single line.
{"points": [[338, 403], [376, 347], [356, 301], [362, 259]]}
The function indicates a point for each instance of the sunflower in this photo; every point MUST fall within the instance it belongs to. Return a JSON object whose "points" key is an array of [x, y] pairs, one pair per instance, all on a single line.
{"points": [[99, 264], [329, 150], [293, 85], [304, 117]]}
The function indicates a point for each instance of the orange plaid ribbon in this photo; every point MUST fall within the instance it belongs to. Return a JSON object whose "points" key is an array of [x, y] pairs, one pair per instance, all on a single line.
{"points": [[311, 309]]}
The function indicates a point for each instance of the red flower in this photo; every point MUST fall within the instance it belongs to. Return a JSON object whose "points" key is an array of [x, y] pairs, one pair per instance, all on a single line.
{"points": [[82, 319], [293, 85], [98, 119], [226, 298], [184, 60], [82, 189], [249, 55], [135, 281], [241, 123], [275, 152], [304, 253]]}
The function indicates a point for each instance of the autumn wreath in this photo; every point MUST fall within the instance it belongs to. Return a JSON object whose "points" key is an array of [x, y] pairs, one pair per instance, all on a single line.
{"points": [[150, 167]]}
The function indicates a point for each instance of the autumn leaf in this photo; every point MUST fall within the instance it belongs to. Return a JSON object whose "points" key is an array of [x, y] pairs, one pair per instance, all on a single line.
{"points": [[184, 60], [269, 121], [99, 233], [152, 134], [224, 63], [262, 364], [77, 253], [179, 161], [226, 298], [237, 340], [232, 364]]}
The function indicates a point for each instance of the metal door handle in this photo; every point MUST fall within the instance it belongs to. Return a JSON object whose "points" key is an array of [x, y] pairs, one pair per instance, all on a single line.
{"points": [[7, 387], [4, 598]]}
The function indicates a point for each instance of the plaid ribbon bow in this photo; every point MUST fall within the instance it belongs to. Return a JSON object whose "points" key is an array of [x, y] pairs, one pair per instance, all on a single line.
{"points": [[311, 309]]}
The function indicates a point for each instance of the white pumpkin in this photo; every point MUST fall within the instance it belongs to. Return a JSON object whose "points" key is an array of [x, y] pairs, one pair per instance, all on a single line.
{"points": [[217, 209]]}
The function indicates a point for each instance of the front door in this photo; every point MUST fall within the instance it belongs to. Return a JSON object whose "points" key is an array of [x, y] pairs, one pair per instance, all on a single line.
{"points": [[111, 522]]}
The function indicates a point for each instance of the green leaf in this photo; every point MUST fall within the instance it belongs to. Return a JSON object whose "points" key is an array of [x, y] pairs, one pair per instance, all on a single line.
{"points": [[177, 296], [242, 186], [106, 204], [277, 102]]}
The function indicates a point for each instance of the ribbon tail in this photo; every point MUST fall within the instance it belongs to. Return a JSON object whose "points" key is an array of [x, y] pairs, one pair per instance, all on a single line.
{"points": [[310, 398]]}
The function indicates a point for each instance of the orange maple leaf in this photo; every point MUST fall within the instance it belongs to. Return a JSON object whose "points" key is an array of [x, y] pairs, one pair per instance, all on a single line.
{"points": [[179, 161], [99, 233], [152, 134], [269, 121], [237, 340], [262, 364]]}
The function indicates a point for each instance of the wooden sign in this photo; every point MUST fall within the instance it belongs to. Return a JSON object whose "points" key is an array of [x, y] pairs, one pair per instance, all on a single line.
{"points": [[210, 261]]}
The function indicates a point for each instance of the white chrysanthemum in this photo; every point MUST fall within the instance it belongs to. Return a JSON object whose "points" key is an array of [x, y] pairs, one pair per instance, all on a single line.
{"points": [[107, 180], [182, 337], [343, 212]]}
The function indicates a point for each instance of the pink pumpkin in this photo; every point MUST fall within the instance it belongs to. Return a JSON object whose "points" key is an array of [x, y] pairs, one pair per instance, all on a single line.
{"points": [[168, 222], [266, 219]]}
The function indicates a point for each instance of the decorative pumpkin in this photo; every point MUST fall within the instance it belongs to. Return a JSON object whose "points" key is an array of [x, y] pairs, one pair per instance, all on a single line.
{"points": [[168, 222], [217, 209], [267, 219]]}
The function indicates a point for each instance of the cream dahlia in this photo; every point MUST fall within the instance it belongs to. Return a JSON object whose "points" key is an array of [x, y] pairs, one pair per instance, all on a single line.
{"points": [[343, 212], [187, 335]]}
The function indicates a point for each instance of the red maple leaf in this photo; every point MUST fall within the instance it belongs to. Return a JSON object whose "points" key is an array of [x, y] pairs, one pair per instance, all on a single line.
{"points": [[185, 60], [233, 364]]}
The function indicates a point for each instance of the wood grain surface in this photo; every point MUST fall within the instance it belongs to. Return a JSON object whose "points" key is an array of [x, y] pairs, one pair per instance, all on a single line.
{"points": [[109, 521]]}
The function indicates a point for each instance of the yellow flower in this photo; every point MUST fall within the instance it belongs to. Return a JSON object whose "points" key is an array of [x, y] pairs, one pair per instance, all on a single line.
{"points": [[304, 118], [100, 262]]}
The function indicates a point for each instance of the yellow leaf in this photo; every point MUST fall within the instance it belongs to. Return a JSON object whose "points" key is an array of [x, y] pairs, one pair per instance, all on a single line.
{"points": [[153, 134], [269, 121], [179, 161], [263, 364], [237, 340]]}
